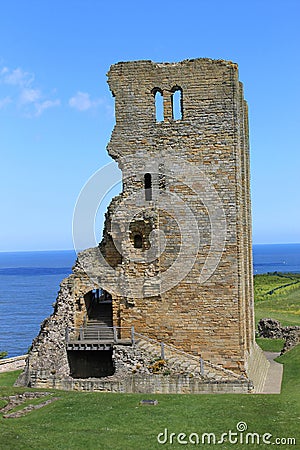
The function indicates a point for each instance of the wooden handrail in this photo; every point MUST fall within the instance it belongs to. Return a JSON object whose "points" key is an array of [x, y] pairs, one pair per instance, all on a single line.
{"points": [[80, 334]]}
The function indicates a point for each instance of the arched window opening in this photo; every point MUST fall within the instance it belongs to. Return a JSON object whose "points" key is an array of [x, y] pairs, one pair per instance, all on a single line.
{"points": [[138, 241], [148, 186], [159, 104], [177, 108]]}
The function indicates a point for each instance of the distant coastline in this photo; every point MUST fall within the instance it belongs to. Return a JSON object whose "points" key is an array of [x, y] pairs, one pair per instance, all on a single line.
{"points": [[276, 258]]}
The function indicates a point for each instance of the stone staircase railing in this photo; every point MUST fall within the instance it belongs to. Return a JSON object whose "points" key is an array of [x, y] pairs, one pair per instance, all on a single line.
{"points": [[186, 360], [177, 359]]}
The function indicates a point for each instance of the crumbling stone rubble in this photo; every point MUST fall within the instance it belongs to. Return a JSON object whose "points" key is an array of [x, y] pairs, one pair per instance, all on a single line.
{"points": [[14, 401], [272, 329]]}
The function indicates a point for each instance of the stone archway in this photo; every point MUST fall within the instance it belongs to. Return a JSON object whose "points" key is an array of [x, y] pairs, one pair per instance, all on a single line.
{"points": [[90, 354], [98, 303]]}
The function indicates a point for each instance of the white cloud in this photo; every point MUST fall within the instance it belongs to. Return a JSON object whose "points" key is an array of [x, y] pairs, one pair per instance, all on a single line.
{"points": [[17, 77], [5, 101], [29, 95], [29, 99], [82, 101], [42, 106]]}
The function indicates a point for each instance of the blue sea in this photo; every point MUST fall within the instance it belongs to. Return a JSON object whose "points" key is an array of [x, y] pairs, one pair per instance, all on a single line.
{"points": [[29, 282]]}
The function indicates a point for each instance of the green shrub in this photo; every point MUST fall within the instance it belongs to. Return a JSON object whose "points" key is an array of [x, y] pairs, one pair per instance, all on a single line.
{"points": [[3, 354]]}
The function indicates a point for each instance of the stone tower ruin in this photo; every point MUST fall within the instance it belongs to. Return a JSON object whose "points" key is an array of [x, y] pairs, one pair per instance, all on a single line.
{"points": [[173, 272]]}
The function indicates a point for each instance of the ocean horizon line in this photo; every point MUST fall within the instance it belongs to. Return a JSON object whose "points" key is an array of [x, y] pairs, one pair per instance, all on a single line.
{"points": [[30, 281], [74, 250]]}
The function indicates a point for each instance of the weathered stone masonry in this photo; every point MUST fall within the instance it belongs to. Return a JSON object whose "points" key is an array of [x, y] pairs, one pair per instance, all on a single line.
{"points": [[209, 146]]}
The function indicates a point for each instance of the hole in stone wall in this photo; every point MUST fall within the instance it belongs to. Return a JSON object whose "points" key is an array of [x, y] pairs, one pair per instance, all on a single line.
{"points": [[138, 241], [159, 104], [177, 106], [148, 186], [98, 303], [140, 229], [90, 363]]}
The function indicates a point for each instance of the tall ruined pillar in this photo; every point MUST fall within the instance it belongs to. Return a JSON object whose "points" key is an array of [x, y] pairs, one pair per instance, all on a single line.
{"points": [[201, 207]]}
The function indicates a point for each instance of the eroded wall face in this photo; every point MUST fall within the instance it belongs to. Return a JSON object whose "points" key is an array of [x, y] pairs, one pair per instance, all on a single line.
{"points": [[199, 294]]}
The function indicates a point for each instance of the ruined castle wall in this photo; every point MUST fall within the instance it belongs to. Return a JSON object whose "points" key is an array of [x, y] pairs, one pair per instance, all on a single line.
{"points": [[200, 202], [211, 318]]}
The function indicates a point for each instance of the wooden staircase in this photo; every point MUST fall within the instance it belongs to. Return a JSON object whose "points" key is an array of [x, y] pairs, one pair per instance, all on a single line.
{"points": [[98, 333], [98, 330]]}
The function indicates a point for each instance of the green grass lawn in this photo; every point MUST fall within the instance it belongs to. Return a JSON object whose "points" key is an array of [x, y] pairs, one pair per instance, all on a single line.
{"points": [[283, 303], [8, 378], [274, 283], [92, 421], [118, 422], [270, 345]]}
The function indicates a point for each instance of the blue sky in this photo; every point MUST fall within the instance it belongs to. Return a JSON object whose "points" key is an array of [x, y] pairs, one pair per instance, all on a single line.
{"points": [[56, 111]]}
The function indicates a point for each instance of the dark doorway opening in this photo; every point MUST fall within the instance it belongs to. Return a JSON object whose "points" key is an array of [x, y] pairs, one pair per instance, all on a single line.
{"points": [[90, 363], [98, 304]]}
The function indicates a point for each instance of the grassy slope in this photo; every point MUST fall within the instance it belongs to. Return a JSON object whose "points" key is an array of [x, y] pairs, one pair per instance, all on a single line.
{"points": [[283, 304], [116, 421]]}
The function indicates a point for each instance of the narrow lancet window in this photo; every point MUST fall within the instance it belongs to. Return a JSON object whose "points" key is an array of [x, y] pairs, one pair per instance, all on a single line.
{"points": [[148, 186], [177, 108], [159, 105]]}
